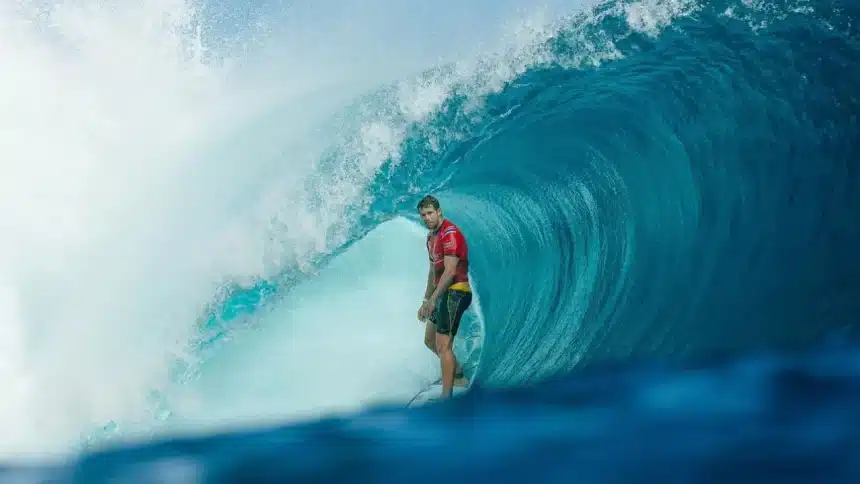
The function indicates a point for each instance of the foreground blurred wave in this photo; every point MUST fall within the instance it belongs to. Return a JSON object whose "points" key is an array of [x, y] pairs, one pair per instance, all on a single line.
{"points": [[756, 420]]}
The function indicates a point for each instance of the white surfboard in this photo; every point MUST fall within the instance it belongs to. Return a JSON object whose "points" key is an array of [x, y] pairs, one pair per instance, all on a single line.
{"points": [[433, 392]]}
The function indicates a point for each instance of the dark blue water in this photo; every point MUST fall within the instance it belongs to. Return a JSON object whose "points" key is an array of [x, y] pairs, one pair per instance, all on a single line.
{"points": [[757, 421], [694, 196]]}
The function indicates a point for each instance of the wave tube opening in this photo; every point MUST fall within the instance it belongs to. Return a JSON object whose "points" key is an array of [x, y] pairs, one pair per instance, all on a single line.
{"points": [[345, 338]]}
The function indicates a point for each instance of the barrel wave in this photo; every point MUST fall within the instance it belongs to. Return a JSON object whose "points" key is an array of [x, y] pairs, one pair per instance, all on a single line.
{"points": [[658, 190], [655, 181]]}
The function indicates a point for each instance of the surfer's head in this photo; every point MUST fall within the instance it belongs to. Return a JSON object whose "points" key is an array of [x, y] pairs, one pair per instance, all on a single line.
{"points": [[430, 212]]}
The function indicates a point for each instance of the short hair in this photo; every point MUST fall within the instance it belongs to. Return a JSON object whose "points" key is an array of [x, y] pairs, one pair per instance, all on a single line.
{"points": [[428, 201]]}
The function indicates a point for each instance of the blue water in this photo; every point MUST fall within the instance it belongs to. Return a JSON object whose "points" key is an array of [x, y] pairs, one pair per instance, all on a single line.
{"points": [[640, 193]]}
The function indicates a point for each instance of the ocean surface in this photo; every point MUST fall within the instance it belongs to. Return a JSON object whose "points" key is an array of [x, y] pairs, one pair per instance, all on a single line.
{"points": [[212, 261]]}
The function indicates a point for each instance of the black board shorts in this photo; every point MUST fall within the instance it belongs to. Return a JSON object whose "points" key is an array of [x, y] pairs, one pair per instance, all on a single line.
{"points": [[449, 310]]}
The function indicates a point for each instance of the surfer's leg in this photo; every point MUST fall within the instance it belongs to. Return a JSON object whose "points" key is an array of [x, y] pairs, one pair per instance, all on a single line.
{"points": [[444, 335], [430, 335], [448, 362], [451, 309], [430, 342], [458, 305]]}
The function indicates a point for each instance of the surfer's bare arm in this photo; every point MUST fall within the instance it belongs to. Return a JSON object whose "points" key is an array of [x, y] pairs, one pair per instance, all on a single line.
{"points": [[425, 309], [429, 289], [447, 276]]}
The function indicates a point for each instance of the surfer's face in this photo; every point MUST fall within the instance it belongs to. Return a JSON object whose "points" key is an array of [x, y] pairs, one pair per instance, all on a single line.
{"points": [[431, 217]]}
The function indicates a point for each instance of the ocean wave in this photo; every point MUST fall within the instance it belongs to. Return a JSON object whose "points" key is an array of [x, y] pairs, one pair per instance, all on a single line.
{"points": [[669, 180]]}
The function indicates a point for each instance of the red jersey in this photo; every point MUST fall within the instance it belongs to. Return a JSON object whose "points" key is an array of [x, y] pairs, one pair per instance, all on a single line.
{"points": [[448, 240]]}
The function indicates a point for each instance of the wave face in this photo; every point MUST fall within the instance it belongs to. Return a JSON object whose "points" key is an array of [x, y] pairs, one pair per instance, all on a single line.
{"points": [[650, 180], [669, 181]]}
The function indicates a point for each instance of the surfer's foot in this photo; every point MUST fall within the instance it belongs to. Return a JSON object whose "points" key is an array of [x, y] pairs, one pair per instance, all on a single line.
{"points": [[460, 380]]}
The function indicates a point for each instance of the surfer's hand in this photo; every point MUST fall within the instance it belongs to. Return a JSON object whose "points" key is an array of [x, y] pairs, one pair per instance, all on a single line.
{"points": [[424, 311]]}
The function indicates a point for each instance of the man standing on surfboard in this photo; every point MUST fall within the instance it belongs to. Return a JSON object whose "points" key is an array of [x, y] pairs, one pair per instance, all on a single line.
{"points": [[448, 293]]}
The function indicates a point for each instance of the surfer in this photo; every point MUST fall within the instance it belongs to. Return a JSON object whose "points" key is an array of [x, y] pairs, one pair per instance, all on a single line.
{"points": [[448, 293]]}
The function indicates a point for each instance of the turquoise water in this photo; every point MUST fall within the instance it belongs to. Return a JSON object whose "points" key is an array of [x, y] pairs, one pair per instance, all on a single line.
{"points": [[647, 183]]}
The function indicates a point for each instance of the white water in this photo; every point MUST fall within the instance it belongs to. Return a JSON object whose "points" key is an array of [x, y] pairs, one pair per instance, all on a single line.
{"points": [[114, 231], [137, 178], [346, 338]]}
